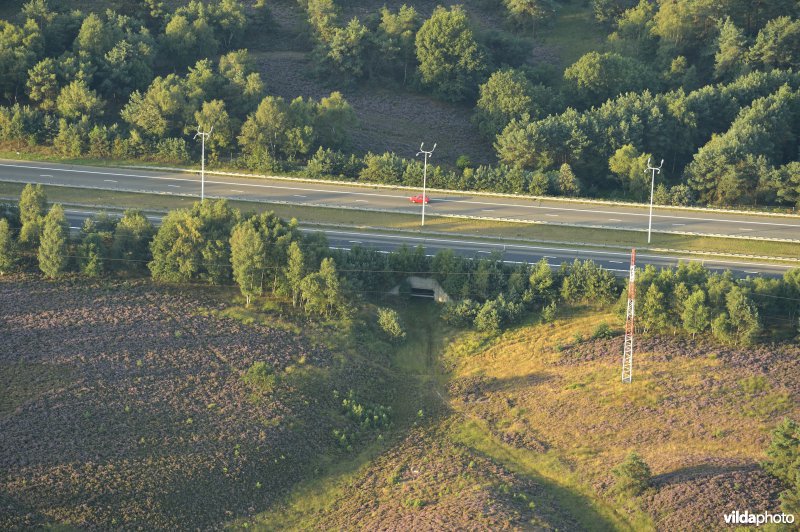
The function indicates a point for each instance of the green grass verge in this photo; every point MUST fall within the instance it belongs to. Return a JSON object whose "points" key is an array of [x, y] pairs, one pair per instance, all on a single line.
{"points": [[410, 222]]}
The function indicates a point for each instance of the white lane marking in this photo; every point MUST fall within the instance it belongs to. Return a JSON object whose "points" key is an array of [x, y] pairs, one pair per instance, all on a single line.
{"points": [[516, 205], [361, 201], [45, 175], [615, 261], [614, 220], [678, 224], [548, 257], [482, 251], [744, 229], [74, 227], [238, 191], [552, 215], [174, 186], [299, 196], [754, 273], [355, 242], [109, 181], [568, 250], [488, 210]]}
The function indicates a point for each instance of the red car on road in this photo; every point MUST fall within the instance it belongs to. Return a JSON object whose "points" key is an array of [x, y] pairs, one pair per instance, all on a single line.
{"points": [[419, 198]]}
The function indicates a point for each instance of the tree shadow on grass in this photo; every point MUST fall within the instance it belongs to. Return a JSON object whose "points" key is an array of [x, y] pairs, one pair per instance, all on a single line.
{"points": [[567, 501]]}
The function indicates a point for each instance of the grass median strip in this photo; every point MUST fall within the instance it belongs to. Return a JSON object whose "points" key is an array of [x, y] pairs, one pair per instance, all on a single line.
{"points": [[410, 222]]}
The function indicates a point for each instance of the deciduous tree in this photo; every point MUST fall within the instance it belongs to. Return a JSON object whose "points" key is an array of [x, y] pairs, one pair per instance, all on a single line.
{"points": [[248, 260], [450, 60]]}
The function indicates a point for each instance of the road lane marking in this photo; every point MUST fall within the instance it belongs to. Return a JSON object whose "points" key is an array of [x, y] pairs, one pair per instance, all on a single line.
{"points": [[361, 201], [488, 210], [299, 196], [174, 186], [552, 215], [614, 220], [468, 201], [678, 224], [109, 181], [615, 261], [744, 229], [565, 250], [355, 242], [45, 175], [238, 191]]}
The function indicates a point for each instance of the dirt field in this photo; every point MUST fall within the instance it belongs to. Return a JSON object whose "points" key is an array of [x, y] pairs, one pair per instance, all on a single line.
{"points": [[121, 405]]}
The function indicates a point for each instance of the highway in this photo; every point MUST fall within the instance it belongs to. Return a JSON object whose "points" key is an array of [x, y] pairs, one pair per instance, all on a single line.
{"points": [[366, 197], [616, 261]]}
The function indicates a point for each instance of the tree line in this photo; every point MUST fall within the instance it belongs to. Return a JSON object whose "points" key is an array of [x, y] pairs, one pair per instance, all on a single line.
{"points": [[264, 254], [711, 87]]}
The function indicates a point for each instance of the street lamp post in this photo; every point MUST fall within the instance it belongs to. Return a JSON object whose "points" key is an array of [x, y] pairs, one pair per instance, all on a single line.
{"points": [[655, 170], [425, 175], [203, 136]]}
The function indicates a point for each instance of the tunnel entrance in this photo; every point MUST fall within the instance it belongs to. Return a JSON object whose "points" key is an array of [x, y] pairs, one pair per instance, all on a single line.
{"points": [[423, 292]]}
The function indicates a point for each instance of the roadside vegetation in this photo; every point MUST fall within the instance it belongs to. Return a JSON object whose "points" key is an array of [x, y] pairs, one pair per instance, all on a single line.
{"points": [[329, 401], [652, 80]]}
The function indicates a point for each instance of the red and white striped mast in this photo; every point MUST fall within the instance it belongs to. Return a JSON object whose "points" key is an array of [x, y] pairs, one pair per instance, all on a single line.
{"points": [[627, 351]]}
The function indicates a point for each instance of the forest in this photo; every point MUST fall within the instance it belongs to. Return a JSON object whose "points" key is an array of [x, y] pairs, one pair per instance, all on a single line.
{"points": [[709, 86]]}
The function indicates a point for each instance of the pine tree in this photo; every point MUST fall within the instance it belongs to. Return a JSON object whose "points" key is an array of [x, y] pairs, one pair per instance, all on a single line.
{"points": [[32, 203], [248, 260], [784, 451], [53, 247], [567, 183], [731, 51], [8, 254], [32, 208], [632, 476]]}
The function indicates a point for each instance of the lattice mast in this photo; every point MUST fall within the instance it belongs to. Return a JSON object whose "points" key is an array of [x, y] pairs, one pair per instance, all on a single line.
{"points": [[627, 351]]}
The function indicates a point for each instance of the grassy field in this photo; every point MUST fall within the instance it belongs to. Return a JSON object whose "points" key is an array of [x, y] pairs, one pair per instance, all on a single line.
{"points": [[697, 412], [409, 222], [538, 413]]}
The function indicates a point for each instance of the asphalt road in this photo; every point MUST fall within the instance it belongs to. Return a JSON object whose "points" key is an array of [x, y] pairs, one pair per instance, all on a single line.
{"points": [[616, 261], [277, 190]]}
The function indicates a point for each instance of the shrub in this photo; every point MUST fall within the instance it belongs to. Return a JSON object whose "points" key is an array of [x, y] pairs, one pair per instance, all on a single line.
{"points": [[549, 312], [497, 314], [632, 475], [603, 330], [171, 150], [390, 324], [328, 162], [386, 168], [260, 377], [461, 313], [463, 161]]}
